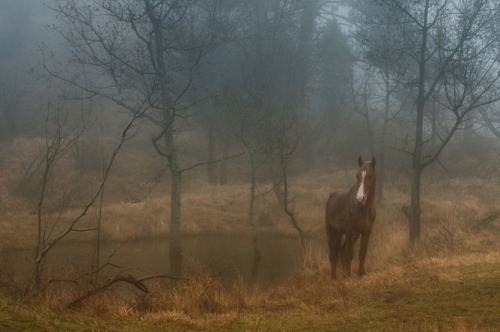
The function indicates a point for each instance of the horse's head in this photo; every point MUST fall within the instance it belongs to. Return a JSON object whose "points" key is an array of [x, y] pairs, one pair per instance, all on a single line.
{"points": [[365, 180]]}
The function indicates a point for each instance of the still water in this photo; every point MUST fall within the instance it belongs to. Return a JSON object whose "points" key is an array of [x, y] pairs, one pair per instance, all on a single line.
{"points": [[228, 258]]}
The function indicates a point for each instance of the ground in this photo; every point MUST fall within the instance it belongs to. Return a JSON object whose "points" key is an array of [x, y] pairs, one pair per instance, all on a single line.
{"points": [[447, 294]]}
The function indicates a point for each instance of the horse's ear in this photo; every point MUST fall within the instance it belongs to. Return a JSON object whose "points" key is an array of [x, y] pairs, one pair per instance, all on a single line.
{"points": [[360, 161], [373, 161]]}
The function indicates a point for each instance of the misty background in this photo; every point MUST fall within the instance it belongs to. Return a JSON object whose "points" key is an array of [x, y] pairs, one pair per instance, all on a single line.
{"points": [[135, 119]]}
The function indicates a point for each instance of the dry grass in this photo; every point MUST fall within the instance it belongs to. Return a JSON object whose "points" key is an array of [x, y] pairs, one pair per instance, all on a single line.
{"points": [[444, 282], [455, 214], [139, 207], [454, 293]]}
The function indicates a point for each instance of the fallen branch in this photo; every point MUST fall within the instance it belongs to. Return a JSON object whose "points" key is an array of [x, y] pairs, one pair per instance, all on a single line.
{"points": [[136, 282]]}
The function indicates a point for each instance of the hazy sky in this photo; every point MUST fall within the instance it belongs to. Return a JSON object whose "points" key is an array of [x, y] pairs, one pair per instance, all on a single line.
{"points": [[22, 29]]}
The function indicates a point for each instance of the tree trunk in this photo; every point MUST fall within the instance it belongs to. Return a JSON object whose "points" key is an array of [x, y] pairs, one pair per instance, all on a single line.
{"points": [[277, 178], [286, 207], [175, 206], [223, 164], [417, 168], [211, 152], [251, 216], [168, 135], [381, 156], [414, 213]]}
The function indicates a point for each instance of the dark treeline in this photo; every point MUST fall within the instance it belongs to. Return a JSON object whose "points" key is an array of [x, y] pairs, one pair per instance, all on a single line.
{"points": [[292, 84]]}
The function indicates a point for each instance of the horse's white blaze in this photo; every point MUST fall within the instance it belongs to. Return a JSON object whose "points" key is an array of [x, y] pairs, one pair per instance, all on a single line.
{"points": [[360, 196]]}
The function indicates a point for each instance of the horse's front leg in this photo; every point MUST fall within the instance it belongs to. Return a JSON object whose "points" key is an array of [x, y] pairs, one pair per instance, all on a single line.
{"points": [[365, 237], [348, 251]]}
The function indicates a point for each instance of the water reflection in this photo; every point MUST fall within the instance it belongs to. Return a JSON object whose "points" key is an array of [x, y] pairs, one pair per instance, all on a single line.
{"points": [[227, 257]]}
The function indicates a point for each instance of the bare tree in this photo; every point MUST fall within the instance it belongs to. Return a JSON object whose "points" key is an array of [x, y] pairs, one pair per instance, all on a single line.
{"points": [[449, 57], [282, 145], [378, 43], [60, 136], [264, 87], [333, 76], [141, 53]]}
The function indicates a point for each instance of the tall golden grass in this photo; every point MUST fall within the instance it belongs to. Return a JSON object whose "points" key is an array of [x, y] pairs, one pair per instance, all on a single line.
{"points": [[452, 210]]}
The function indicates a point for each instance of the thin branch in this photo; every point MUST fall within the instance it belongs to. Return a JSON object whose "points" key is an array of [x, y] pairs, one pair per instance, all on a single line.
{"points": [[489, 123], [212, 161]]}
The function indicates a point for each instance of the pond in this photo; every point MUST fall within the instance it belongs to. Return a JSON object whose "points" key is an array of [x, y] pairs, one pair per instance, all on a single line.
{"points": [[229, 258]]}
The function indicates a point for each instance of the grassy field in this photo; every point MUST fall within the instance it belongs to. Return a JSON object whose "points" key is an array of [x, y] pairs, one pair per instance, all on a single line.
{"points": [[446, 294]]}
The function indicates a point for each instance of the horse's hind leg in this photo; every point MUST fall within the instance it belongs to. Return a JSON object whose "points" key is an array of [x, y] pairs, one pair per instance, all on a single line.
{"points": [[334, 240], [362, 253], [342, 252]]}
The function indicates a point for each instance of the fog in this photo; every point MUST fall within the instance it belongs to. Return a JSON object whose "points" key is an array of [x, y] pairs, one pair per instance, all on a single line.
{"points": [[23, 29], [171, 121]]}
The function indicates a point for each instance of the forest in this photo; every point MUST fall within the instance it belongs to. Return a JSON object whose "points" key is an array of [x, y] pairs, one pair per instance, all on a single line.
{"points": [[165, 164]]}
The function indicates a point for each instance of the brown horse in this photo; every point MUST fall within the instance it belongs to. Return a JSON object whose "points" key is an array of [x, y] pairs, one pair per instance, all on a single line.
{"points": [[351, 214]]}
